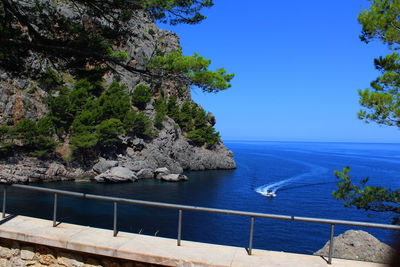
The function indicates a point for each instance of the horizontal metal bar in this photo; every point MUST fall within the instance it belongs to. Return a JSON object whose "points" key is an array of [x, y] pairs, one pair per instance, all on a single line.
{"points": [[48, 190], [204, 209], [349, 223], [186, 207]]}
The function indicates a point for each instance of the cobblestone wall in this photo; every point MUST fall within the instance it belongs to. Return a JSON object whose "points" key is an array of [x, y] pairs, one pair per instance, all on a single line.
{"points": [[18, 254]]}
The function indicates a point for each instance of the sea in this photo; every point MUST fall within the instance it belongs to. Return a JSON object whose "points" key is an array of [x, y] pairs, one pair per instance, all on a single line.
{"points": [[301, 174]]}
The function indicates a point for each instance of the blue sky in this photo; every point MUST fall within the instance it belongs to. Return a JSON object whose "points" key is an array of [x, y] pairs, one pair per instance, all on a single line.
{"points": [[298, 66]]}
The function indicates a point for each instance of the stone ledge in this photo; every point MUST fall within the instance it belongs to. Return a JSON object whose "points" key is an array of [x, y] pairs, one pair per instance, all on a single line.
{"points": [[150, 249]]}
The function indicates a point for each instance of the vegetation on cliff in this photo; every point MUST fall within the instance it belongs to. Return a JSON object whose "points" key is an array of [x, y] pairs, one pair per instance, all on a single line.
{"points": [[83, 40], [88, 37], [381, 104]]}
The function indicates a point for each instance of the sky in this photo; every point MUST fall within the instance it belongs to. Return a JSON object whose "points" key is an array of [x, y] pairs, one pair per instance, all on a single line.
{"points": [[297, 64]]}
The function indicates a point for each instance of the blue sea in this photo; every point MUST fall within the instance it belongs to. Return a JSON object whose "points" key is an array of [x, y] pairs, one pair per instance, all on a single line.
{"points": [[300, 173]]}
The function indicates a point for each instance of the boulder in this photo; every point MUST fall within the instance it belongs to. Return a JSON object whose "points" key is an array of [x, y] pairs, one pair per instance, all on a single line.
{"points": [[358, 245], [145, 174], [8, 178], [174, 177], [116, 174], [136, 165], [104, 165], [161, 172], [55, 169]]}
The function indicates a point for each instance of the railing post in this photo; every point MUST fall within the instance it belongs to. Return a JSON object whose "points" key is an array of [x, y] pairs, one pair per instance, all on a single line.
{"points": [[55, 211], [331, 244], [251, 235], [115, 219], [179, 227], [4, 201]]}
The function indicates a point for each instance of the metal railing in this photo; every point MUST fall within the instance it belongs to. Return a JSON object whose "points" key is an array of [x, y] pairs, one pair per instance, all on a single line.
{"points": [[180, 209]]}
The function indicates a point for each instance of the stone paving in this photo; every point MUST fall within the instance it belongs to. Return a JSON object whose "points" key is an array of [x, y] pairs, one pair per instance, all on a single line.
{"points": [[150, 249]]}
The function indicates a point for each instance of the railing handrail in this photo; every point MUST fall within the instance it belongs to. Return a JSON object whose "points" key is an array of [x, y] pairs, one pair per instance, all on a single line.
{"points": [[180, 207], [205, 209]]}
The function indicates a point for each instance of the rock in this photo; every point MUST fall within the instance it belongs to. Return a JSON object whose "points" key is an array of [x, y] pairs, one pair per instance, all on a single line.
{"points": [[27, 253], [45, 255], [55, 169], [104, 165], [130, 152], [145, 174], [9, 178], [5, 252], [161, 172], [116, 174], [17, 262], [174, 177], [358, 245], [136, 165], [67, 259]]}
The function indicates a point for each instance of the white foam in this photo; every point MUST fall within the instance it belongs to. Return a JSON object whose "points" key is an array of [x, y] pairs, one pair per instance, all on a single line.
{"points": [[273, 187]]}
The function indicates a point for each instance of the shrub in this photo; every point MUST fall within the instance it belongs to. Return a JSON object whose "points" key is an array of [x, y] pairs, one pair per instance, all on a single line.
{"points": [[161, 111], [142, 126], [205, 135], [186, 117], [109, 130], [173, 109], [84, 140], [114, 102], [141, 96]]}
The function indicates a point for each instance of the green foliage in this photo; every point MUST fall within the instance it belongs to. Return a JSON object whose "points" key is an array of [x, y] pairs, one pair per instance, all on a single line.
{"points": [[50, 80], [381, 102], [193, 70], [79, 95], [381, 22], [186, 117], [141, 96], [173, 109], [35, 136], [151, 31], [177, 11], [3, 132], [204, 135], [194, 121], [120, 55], [114, 102], [60, 110], [26, 131], [139, 125], [84, 140], [109, 130], [369, 198], [58, 35], [7, 147], [161, 108], [45, 126]]}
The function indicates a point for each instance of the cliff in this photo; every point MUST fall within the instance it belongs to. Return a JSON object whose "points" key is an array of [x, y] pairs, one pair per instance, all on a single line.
{"points": [[25, 95]]}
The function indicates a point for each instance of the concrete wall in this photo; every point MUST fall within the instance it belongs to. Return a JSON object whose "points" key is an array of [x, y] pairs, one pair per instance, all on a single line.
{"points": [[15, 253]]}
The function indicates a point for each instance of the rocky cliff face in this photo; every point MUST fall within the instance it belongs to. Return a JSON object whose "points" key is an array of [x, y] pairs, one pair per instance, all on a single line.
{"points": [[23, 96]]}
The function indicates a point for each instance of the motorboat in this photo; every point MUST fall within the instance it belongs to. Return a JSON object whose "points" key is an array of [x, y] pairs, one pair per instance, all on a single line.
{"points": [[269, 193]]}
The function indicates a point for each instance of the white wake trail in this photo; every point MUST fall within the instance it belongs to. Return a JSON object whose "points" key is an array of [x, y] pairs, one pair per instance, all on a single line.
{"points": [[270, 189]]}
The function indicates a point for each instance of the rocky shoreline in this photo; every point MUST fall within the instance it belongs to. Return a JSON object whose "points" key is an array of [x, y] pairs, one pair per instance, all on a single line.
{"points": [[164, 158]]}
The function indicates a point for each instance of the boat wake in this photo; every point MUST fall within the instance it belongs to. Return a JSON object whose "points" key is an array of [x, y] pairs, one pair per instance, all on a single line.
{"points": [[269, 190]]}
